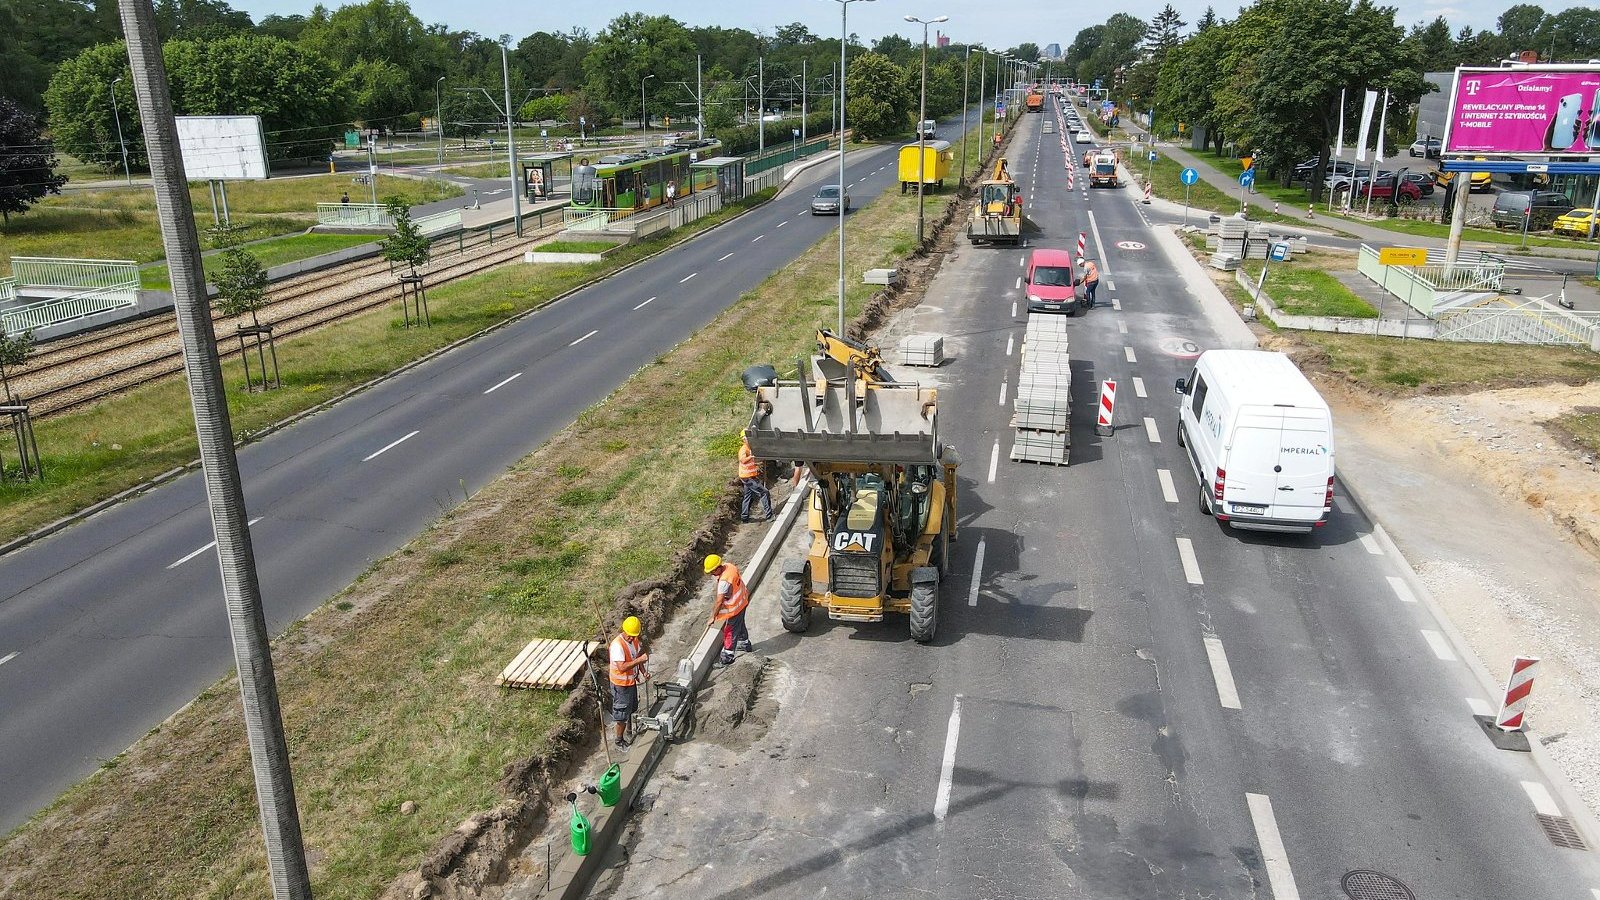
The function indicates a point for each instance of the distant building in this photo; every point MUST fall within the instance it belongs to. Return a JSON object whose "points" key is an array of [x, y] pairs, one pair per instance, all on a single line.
{"points": [[1434, 107], [941, 39], [1051, 52]]}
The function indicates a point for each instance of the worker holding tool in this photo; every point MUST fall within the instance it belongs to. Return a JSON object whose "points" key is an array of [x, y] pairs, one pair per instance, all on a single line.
{"points": [[731, 600], [1090, 280], [627, 663], [750, 481]]}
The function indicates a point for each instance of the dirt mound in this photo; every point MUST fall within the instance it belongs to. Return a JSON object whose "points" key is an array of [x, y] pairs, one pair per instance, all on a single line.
{"points": [[736, 711]]}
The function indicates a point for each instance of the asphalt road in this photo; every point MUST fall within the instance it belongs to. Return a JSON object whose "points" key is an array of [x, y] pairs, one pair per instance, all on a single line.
{"points": [[112, 625], [1125, 699]]}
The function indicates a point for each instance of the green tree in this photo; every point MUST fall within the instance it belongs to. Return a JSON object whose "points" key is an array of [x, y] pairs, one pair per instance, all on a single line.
{"points": [[1434, 44], [38, 35], [1207, 20], [1026, 51], [1520, 26], [241, 283], [79, 103], [549, 107], [406, 244], [1572, 35], [14, 348], [879, 98], [27, 164], [1187, 86], [293, 91], [378, 93], [286, 27], [897, 48], [199, 19], [381, 31], [632, 46]]}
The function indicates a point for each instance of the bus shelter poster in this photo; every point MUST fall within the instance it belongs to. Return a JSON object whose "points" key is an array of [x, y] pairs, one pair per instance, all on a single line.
{"points": [[1545, 112]]}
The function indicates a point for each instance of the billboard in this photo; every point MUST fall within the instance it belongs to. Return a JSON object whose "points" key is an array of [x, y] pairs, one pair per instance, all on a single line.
{"points": [[1531, 110], [222, 148]]}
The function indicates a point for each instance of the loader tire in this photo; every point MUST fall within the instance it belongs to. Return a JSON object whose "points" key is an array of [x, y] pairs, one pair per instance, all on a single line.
{"points": [[792, 608], [924, 604]]}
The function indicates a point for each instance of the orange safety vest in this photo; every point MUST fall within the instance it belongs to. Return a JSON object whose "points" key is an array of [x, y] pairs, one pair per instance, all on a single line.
{"points": [[1091, 272], [732, 595], [748, 466], [624, 649]]}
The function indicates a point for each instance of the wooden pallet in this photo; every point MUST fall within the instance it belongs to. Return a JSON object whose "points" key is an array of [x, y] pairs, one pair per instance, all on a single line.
{"points": [[548, 663]]}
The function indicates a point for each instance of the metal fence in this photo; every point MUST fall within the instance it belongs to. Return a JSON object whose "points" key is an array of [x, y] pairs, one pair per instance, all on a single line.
{"points": [[353, 215], [8, 289], [439, 222], [1533, 321], [680, 214], [756, 183], [65, 309], [1422, 287], [754, 165], [78, 274]]}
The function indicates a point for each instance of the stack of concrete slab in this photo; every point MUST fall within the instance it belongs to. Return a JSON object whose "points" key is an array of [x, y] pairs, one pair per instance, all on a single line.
{"points": [[922, 350], [1043, 402]]}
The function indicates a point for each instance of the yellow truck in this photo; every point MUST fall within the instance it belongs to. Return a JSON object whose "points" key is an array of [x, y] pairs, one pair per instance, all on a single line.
{"points": [[935, 167]]}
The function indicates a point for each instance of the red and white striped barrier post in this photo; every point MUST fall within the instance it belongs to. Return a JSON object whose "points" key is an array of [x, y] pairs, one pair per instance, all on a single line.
{"points": [[1147, 192], [1274, 207], [1519, 687], [1069, 179], [1082, 243], [1108, 408]]}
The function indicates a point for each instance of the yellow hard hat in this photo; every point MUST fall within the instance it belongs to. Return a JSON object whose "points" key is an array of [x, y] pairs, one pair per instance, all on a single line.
{"points": [[712, 562], [631, 626]]}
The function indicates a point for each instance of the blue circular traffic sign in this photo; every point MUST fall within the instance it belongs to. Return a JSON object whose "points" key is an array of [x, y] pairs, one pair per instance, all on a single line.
{"points": [[1189, 176], [1247, 177]]}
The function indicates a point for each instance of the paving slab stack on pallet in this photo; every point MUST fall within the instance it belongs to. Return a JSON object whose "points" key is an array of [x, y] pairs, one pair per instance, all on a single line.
{"points": [[922, 350], [1043, 402]]}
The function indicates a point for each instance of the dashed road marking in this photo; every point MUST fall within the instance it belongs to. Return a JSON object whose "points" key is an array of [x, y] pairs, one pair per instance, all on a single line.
{"points": [[1009, 340], [1138, 388], [597, 331], [504, 383], [1191, 565], [1019, 283], [977, 573], [1013, 309], [1150, 430], [1543, 803], [1169, 493], [1127, 352], [389, 447], [646, 303], [1371, 543], [781, 224], [687, 277], [1401, 589], [9, 657], [1122, 327], [941, 800], [1021, 261], [994, 461], [1279, 875], [724, 257], [1116, 304], [1479, 706], [194, 553], [1003, 386], [1440, 647], [1222, 674], [757, 238]]}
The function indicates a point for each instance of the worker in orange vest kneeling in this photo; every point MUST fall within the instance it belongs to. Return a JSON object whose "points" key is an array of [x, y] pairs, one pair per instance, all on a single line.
{"points": [[627, 661], [731, 600]]}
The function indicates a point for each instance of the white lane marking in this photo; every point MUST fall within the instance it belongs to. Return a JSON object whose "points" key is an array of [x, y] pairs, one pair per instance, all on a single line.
{"points": [[1127, 352], [1440, 647], [1191, 565], [723, 257], [503, 383], [1222, 674], [1138, 389], [589, 335], [1543, 803], [1110, 285], [1003, 393], [1401, 590], [1009, 339], [646, 303], [1371, 544], [1122, 327], [1279, 875], [1021, 260], [1595, 892], [1019, 283], [941, 800], [781, 224], [687, 277], [9, 657], [1169, 493], [1105, 264], [211, 544], [757, 238], [1116, 304], [1479, 706], [1150, 430], [389, 447], [994, 461], [1013, 309], [800, 213], [977, 572]]}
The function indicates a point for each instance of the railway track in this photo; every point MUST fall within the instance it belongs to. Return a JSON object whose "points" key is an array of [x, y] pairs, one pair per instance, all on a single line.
{"points": [[68, 376]]}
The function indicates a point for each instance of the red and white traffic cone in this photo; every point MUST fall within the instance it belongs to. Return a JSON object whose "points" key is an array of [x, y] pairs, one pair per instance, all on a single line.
{"points": [[1069, 179], [1108, 408], [1519, 688]]}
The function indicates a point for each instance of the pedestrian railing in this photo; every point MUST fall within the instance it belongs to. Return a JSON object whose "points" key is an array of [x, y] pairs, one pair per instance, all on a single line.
{"points": [[1421, 287], [66, 309], [82, 274], [680, 214], [353, 215], [438, 223], [754, 184], [754, 165], [1533, 321], [8, 289]]}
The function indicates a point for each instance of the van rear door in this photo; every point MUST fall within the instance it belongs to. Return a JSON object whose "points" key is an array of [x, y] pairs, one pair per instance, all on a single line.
{"points": [[1249, 482], [1305, 458], [1278, 465]]}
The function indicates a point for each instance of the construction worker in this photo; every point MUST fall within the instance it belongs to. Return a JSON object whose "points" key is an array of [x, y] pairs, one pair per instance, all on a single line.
{"points": [[627, 663], [1090, 280], [750, 481], [731, 598]]}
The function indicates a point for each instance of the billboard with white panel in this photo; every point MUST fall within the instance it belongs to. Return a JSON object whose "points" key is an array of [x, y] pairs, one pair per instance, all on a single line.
{"points": [[222, 148]]}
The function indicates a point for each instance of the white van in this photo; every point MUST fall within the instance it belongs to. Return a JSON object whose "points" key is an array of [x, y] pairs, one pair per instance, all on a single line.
{"points": [[1260, 440]]}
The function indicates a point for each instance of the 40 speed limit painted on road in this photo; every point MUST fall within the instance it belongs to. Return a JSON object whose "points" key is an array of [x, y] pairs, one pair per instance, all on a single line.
{"points": [[1130, 245], [1180, 347]]}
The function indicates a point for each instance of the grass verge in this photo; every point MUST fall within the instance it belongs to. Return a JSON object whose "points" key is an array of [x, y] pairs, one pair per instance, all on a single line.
{"points": [[387, 691], [1581, 428], [96, 452], [273, 252], [1305, 288], [1394, 366], [577, 246]]}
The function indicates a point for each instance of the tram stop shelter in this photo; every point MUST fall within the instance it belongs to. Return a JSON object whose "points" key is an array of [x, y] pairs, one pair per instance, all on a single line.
{"points": [[726, 173], [540, 178]]}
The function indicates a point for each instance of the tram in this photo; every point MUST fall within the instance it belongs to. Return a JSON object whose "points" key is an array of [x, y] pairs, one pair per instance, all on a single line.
{"points": [[623, 184]]}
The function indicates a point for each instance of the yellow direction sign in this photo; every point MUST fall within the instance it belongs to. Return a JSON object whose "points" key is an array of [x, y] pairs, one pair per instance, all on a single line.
{"points": [[1403, 256]]}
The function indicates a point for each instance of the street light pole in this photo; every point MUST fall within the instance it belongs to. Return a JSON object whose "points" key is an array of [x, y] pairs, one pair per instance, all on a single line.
{"points": [[511, 143], [966, 82], [804, 90], [761, 105], [117, 116], [644, 117], [844, 42], [922, 115], [438, 116]]}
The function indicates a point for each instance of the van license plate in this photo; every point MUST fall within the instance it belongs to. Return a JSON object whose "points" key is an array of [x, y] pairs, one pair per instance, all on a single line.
{"points": [[1249, 508]]}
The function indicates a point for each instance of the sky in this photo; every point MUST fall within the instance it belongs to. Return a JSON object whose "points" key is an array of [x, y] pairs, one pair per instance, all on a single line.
{"points": [[995, 23]]}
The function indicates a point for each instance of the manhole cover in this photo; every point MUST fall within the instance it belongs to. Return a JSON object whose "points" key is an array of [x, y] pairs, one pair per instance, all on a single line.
{"points": [[1560, 832], [1365, 884]]}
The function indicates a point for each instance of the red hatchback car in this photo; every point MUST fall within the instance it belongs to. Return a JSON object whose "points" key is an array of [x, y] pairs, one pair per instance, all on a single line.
{"points": [[1382, 188]]}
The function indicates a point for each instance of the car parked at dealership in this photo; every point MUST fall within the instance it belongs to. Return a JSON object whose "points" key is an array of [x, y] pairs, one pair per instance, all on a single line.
{"points": [[1576, 223], [1427, 148], [1540, 208]]}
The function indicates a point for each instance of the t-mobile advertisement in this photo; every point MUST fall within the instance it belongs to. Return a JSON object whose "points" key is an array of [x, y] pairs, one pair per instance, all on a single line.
{"points": [[1529, 110]]}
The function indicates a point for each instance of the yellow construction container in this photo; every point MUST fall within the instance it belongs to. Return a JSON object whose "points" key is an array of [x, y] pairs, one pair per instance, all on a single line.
{"points": [[937, 158]]}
